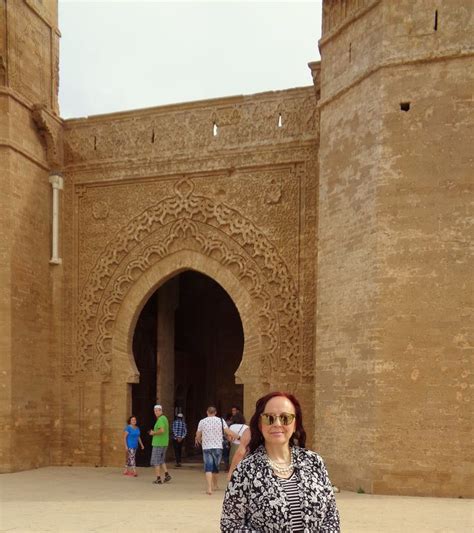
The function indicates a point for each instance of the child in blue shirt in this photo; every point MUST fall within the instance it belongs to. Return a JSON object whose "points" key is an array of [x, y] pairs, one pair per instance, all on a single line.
{"points": [[131, 438]]}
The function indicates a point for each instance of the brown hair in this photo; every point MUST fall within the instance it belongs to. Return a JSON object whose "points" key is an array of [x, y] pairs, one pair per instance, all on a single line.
{"points": [[256, 437]]}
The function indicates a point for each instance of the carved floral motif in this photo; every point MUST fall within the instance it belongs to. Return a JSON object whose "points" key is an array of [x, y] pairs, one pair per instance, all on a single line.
{"points": [[100, 210], [273, 194]]}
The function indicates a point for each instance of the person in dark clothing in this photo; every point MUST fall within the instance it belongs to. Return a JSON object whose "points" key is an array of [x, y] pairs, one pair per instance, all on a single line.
{"points": [[178, 433]]}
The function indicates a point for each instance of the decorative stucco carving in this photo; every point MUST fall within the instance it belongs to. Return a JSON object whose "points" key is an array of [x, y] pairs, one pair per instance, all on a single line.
{"points": [[167, 132], [232, 240], [100, 210], [274, 192]]}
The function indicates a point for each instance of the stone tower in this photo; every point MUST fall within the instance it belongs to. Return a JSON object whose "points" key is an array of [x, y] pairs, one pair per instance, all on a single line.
{"points": [[392, 358], [29, 153]]}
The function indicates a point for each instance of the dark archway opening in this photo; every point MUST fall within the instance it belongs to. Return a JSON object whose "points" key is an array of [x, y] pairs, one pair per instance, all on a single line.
{"points": [[144, 393], [188, 343]]}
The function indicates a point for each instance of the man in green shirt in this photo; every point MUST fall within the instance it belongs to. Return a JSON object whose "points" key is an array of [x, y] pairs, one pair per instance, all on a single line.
{"points": [[159, 445]]}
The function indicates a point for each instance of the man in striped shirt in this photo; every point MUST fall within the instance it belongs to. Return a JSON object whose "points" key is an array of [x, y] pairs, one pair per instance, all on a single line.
{"points": [[178, 432]]}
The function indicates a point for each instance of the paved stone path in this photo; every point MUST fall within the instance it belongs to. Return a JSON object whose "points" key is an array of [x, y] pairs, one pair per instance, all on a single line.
{"points": [[72, 499]]}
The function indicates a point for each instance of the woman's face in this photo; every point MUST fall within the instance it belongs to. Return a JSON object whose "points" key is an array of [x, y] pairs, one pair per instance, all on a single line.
{"points": [[277, 433], [133, 421]]}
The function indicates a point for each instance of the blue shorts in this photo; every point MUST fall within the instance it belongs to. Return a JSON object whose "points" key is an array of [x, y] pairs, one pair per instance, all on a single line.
{"points": [[212, 458]]}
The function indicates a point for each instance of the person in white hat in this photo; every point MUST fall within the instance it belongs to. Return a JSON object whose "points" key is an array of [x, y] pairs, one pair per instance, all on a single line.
{"points": [[159, 445]]}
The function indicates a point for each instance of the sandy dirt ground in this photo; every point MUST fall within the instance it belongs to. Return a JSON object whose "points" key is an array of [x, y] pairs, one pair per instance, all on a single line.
{"points": [[72, 499]]}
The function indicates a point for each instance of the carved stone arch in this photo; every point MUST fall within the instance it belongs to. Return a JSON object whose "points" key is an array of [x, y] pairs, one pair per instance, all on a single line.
{"points": [[116, 391], [189, 222], [220, 258], [124, 368]]}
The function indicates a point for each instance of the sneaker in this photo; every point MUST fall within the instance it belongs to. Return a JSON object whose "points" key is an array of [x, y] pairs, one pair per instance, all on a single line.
{"points": [[157, 481], [125, 472], [167, 477]]}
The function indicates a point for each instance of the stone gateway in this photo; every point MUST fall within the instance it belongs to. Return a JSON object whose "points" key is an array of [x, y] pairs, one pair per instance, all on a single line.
{"points": [[314, 240]]}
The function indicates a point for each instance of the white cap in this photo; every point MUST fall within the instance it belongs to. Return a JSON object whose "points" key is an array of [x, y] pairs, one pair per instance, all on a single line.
{"points": [[158, 406]]}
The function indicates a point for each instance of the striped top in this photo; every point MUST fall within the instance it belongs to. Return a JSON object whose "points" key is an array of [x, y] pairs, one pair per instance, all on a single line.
{"points": [[290, 487]]}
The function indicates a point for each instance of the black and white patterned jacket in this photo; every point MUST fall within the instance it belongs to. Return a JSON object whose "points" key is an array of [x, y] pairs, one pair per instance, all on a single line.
{"points": [[255, 501]]}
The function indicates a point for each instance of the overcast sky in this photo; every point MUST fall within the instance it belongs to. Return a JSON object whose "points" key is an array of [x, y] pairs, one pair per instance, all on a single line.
{"points": [[129, 54]]}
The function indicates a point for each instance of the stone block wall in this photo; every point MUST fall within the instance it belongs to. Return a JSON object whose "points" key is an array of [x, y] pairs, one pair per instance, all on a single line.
{"points": [[30, 378], [393, 357], [425, 274]]}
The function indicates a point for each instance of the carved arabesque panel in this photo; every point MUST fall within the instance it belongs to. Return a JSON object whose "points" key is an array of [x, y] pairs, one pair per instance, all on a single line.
{"points": [[258, 265], [167, 132], [183, 235]]}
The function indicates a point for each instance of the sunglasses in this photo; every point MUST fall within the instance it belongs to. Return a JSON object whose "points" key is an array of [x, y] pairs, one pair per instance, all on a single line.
{"points": [[285, 419]]}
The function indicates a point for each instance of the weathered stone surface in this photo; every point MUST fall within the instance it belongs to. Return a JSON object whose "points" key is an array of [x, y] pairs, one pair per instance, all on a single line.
{"points": [[335, 217], [393, 359], [240, 209]]}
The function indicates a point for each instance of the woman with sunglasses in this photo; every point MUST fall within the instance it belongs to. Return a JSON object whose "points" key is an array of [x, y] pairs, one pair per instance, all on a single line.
{"points": [[280, 486]]}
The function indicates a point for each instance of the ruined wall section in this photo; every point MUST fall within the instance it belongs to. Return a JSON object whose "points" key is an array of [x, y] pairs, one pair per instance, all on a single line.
{"points": [[392, 346], [28, 83], [241, 169]]}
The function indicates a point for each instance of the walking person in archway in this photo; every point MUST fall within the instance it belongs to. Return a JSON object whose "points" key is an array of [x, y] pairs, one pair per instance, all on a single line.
{"points": [[178, 433], [240, 452], [210, 433], [239, 427], [159, 445]]}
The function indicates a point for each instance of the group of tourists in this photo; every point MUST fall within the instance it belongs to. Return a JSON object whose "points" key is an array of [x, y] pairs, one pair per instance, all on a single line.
{"points": [[159, 444], [274, 483], [213, 434]]}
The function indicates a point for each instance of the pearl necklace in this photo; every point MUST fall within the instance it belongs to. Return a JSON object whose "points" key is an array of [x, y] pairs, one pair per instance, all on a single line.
{"points": [[281, 469]]}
